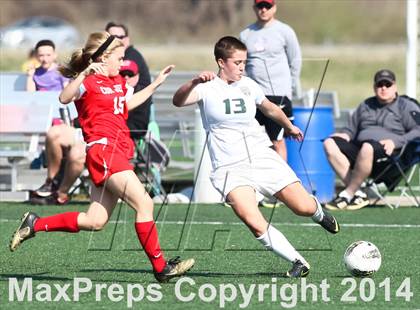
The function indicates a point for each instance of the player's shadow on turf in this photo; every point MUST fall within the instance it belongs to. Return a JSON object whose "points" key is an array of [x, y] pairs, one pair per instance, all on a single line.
{"points": [[117, 270], [36, 277], [205, 274], [209, 274]]}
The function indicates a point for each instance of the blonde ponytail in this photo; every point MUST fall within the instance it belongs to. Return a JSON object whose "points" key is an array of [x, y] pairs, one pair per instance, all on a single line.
{"points": [[81, 58]]}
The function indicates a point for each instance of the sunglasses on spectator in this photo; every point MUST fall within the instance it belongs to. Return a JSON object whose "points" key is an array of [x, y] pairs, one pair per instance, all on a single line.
{"points": [[120, 37], [263, 5], [381, 84], [127, 73]]}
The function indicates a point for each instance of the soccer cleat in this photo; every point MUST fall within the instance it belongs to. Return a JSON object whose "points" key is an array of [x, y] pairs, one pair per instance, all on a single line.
{"points": [[25, 230], [47, 188], [299, 270], [329, 223], [174, 268], [357, 203], [338, 203], [52, 199]]}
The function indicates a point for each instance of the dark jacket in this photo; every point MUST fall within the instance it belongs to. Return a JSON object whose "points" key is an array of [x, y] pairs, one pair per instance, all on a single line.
{"points": [[397, 121], [138, 118]]}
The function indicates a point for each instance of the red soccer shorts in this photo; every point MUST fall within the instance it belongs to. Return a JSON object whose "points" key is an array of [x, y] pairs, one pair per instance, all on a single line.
{"points": [[103, 161]]}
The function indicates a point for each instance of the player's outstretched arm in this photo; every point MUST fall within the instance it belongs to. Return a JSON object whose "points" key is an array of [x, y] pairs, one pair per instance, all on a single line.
{"points": [[141, 96], [185, 95], [274, 112]]}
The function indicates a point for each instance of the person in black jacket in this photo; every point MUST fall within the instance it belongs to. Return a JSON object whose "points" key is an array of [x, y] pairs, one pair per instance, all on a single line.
{"points": [[138, 119]]}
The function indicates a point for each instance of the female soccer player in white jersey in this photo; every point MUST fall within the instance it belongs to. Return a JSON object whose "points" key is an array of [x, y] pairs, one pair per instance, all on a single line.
{"points": [[243, 161]]}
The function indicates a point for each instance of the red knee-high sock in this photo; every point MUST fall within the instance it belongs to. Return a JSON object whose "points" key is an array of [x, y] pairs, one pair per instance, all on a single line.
{"points": [[59, 222], [148, 237]]}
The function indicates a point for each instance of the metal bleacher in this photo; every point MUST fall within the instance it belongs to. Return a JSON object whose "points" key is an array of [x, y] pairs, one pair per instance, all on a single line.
{"points": [[174, 123], [24, 120], [12, 81], [170, 118]]}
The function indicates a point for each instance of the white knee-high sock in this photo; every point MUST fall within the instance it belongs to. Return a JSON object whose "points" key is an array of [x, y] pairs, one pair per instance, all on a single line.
{"points": [[319, 213], [275, 241]]}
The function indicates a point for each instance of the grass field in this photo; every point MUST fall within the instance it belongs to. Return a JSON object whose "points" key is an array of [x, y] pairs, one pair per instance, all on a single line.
{"points": [[228, 260]]}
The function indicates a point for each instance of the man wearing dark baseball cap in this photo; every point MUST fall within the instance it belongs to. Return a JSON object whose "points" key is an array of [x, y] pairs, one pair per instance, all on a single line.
{"points": [[384, 75], [380, 126]]}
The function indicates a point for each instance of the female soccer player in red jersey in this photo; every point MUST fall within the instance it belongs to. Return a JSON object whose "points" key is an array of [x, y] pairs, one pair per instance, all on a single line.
{"points": [[103, 100]]}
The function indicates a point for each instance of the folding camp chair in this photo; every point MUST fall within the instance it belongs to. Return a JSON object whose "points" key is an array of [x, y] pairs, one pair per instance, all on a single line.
{"points": [[402, 166], [151, 158], [82, 184]]}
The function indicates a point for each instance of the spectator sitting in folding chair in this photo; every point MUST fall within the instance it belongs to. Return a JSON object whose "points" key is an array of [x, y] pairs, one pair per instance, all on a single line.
{"points": [[380, 126], [401, 167], [64, 144], [65, 150]]}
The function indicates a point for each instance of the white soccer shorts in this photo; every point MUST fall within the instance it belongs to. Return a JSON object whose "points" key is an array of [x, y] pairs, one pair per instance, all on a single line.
{"points": [[266, 172]]}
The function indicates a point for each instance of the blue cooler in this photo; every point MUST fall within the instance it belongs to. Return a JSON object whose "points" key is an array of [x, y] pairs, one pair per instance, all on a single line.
{"points": [[319, 177]]}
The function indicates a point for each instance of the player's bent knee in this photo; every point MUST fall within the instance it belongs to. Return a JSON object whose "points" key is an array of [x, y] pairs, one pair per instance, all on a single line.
{"points": [[89, 222], [96, 225]]}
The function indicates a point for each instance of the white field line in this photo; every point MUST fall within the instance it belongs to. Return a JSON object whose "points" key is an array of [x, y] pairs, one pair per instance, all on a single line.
{"points": [[240, 223]]}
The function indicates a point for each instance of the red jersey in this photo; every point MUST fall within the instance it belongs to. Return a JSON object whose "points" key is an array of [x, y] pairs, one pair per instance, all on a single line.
{"points": [[103, 112]]}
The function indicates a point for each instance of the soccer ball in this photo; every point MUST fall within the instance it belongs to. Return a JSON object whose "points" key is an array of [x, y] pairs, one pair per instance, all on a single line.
{"points": [[362, 259]]}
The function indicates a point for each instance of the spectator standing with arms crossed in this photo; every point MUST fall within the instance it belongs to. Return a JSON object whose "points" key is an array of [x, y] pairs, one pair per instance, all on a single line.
{"points": [[138, 118], [103, 99], [274, 62]]}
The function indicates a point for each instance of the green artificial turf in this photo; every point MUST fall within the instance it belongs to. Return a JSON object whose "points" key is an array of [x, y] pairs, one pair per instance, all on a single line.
{"points": [[228, 261]]}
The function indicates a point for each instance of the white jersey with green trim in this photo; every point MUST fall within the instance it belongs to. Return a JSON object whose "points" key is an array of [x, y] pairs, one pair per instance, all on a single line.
{"points": [[228, 115]]}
